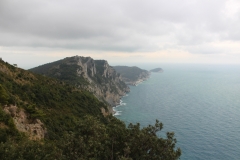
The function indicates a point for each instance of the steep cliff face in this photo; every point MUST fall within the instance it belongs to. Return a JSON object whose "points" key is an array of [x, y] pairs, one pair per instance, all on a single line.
{"points": [[132, 75], [95, 76]]}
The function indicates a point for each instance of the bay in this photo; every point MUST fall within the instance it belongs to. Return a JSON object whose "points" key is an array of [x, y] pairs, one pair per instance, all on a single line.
{"points": [[200, 103]]}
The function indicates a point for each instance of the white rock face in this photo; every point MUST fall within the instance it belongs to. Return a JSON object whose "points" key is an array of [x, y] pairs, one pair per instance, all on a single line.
{"points": [[111, 88]]}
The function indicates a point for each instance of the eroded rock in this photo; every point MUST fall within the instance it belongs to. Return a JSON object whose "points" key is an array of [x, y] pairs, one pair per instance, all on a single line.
{"points": [[34, 128]]}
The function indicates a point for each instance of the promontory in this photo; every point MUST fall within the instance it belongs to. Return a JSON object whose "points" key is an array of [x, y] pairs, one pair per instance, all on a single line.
{"points": [[159, 70]]}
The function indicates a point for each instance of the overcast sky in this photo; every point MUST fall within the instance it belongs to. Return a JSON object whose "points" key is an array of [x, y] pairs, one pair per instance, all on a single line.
{"points": [[33, 32]]}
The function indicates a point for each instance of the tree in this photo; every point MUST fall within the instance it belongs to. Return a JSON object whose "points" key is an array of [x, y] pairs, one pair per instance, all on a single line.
{"points": [[112, 140], [145, 144]]}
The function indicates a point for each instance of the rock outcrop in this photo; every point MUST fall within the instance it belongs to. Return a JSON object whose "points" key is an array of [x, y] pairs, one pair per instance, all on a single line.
{"points": [[34, 129], [95, 76]]}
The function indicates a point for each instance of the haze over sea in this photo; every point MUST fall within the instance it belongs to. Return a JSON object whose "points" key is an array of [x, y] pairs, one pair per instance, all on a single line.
{"points": [[200, 103]]}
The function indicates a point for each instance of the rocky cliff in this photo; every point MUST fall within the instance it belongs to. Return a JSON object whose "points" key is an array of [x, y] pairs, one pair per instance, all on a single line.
{"points": [[132, 75], [95, 76]]}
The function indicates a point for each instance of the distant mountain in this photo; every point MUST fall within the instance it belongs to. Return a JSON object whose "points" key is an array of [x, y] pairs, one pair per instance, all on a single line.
{"points": [[132, 75], [157, 70], [95, 76]]}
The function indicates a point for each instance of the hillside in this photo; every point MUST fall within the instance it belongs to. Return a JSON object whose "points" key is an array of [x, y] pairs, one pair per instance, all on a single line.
{"points": [[44, 118], [132, 75], [96, 76], [43, 97]]}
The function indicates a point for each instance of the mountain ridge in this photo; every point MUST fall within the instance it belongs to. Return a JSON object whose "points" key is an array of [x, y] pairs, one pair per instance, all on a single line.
{"points": [[96, 76]]}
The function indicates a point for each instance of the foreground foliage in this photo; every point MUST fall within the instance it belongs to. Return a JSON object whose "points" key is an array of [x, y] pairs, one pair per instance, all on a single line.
{"points": [[76, 129], [94, 139]]}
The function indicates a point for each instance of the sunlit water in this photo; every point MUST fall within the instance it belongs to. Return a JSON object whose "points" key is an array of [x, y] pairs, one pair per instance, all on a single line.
{"points": [[201, 104]]}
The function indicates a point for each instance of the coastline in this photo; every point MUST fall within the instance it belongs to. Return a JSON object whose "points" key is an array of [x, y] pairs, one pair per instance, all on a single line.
{"points": [[115, 112], [130, 83], [121, 103], [137, 82]]}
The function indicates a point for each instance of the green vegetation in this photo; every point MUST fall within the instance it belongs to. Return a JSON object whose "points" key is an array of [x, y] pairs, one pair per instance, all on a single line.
{"points": [[56, 104], [76, 128], [63, 71], [8, 131], [3, 95]]}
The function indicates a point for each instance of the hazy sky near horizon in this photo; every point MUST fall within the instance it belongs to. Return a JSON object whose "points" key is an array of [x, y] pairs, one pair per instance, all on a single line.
{"points": [[33, 32]]}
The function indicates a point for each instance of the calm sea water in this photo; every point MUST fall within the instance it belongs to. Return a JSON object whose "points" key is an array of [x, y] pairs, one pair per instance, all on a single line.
{"points": [[201, 104]]}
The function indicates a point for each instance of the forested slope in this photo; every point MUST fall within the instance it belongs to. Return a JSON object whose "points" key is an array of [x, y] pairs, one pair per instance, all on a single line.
{"points": [[74, 125]]}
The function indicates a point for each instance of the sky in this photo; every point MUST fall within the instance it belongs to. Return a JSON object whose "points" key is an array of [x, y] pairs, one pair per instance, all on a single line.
{"points": [[34, 32]]}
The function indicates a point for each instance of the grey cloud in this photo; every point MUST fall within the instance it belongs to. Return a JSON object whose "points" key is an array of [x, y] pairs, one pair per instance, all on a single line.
{"points": [[115, 25], [206, 49]]}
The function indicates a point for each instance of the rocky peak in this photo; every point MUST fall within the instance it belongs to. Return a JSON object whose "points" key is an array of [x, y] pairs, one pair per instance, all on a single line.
{"points": [[97, 76]]}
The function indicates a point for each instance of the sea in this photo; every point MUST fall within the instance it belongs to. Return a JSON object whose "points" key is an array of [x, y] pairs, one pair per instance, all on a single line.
{"points": [[199, 103]]}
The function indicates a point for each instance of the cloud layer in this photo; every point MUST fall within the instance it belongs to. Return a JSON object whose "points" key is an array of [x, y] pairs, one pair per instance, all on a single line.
{"points": [[195, 27]]}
